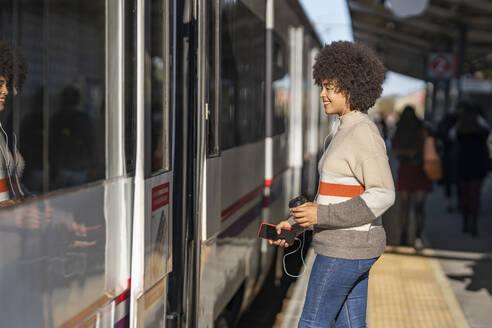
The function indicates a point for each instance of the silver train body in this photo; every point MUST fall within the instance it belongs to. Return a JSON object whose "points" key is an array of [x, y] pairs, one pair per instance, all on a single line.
{"points": [[210, 123]]}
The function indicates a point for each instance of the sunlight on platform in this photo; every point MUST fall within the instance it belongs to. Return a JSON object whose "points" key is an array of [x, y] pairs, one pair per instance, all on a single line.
{"points": [[407, 289]]}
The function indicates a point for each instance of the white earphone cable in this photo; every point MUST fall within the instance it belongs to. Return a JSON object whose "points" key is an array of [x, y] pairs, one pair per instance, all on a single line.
{"points": [[302, 243], [301, 246]]}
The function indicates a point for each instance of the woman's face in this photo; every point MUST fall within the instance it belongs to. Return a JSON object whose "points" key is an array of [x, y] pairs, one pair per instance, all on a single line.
{"points": [[334, 102], [3, 92]]}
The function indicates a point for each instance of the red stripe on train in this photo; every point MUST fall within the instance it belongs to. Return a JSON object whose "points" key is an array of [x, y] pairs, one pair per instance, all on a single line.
{"points": [[124, 296], [226, 213]]}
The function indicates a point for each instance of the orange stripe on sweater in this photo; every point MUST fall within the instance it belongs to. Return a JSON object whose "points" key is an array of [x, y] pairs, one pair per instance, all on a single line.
{"points": [[338, 190], [4, 186]]}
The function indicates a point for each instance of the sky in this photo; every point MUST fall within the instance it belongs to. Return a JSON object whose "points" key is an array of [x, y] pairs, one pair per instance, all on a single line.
{"points": [[331, 19]]}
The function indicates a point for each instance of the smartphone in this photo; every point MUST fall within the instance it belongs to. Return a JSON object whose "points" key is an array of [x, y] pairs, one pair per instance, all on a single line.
{"points": [[269, 231]]}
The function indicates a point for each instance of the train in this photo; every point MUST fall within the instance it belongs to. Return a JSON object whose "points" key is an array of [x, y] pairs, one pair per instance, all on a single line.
{"points": [[155, 137]]}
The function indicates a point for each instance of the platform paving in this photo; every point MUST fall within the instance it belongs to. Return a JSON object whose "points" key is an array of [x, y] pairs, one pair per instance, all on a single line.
{"points": [[406, 289], [465, 260]]}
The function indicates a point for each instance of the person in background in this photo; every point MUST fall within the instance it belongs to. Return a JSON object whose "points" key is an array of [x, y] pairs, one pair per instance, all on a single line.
{"points": [[471, 134], [449, 157], [407, 146], [72, 129], [356, 188]]}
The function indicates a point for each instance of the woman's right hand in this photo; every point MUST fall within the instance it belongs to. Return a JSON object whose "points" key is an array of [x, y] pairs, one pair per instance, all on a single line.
{"points": [[281, 242]]}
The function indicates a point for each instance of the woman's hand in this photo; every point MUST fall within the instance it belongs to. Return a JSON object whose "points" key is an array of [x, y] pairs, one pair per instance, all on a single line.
{"points": [[305, 215], [281, 242]]}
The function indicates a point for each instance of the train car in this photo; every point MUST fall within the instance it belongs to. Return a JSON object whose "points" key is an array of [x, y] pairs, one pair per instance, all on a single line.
{"points": [[68, 188], [258, 102], [142, 143]]}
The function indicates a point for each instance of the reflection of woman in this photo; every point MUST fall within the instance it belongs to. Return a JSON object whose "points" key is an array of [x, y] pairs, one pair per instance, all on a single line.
{"points": [[11, 163], [356, 188], [408, 144]]}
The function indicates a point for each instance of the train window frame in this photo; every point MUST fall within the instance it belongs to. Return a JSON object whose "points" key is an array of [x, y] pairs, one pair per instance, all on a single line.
{"points": [[280, 53], [130, 83], [120, 107], [212, 55], [165, 102], [234, 133]]}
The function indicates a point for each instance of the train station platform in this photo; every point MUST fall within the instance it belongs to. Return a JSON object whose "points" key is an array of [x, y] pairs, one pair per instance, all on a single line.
{"points": [[406, 289], [449, 284]]}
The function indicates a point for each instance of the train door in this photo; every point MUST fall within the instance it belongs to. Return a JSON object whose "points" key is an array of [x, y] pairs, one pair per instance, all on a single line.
{"points": [[154, 175], [208, 102], [231, 61]]}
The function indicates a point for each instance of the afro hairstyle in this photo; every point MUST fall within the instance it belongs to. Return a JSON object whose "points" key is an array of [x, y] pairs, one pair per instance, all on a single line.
{"points": [[354, 70], [14, 77]]}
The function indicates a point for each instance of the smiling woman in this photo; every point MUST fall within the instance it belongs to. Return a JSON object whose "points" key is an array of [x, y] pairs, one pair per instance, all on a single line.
{"points": [[355, 189], [12, 75], [13, 70]]}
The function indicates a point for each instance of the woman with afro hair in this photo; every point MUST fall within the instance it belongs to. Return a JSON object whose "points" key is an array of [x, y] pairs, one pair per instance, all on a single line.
{"points": [[356, 187], [12, 76]]}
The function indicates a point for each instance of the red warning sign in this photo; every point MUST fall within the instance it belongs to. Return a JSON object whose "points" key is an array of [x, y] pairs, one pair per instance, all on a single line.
{"points": [[441, 66]]}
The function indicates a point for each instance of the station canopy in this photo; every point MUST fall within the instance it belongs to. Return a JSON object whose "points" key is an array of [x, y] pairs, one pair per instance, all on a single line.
{"points": [[407, 44]]}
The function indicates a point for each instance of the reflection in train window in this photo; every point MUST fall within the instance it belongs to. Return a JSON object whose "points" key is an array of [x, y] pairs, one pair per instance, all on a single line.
{"points": [[242, 75], [281, 86], [159, 98], [55, 116]]}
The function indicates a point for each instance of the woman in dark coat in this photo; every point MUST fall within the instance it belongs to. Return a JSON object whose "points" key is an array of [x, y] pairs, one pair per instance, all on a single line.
{"points": [[471, 134]]}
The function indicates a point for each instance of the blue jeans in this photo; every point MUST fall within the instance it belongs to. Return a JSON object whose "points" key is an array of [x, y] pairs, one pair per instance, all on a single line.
{"points": [[337, 293]]}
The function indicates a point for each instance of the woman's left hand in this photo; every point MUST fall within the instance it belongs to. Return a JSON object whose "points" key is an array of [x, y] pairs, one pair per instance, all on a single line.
{"points": [[306, 214]]}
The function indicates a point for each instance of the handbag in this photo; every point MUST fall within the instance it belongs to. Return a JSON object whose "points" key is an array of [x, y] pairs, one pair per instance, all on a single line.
{"points": [[432, 163]]}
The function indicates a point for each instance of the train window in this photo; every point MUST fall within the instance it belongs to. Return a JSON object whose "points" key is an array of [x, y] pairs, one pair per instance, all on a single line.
{"points": [[54, 116], [242, 54], [281, 86], [213, 72], [159, 88]]}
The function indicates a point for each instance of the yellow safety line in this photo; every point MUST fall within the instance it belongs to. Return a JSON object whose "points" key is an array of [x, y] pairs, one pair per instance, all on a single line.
{"points": [[448, 294], [410, 290]]}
